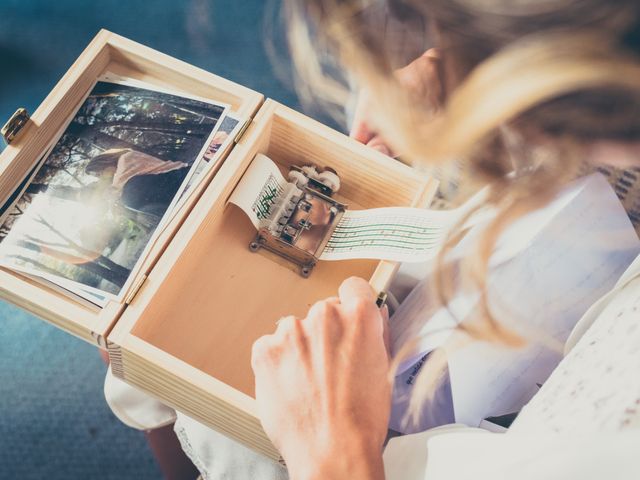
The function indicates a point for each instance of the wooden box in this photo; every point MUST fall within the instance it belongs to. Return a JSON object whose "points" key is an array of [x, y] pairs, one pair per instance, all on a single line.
{"points": [[184, 333]]}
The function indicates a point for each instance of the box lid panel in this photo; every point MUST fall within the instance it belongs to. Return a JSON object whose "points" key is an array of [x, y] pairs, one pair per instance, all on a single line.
{"points": [[106, 53]]}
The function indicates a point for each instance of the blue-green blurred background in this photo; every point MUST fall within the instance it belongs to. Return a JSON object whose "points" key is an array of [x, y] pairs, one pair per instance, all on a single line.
{"points": [[54, 422]]}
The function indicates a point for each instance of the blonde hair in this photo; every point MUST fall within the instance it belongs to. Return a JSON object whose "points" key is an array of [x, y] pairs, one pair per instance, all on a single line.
{"points": [[535, 81]]}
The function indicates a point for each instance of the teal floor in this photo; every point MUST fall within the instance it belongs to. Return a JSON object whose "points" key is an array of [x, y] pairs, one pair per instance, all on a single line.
{"points": [[54, 423]]}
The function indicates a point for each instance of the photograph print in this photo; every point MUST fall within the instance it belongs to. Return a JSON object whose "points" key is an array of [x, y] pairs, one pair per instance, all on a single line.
{"points": [[94, 205], [223, 136]]}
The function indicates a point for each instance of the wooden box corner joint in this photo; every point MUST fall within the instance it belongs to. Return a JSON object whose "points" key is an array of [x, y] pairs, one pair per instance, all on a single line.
{"points": [[115, 359]]}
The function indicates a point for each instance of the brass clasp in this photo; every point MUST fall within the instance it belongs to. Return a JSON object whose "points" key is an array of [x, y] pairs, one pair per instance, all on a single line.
{"points": [[12, 128]]}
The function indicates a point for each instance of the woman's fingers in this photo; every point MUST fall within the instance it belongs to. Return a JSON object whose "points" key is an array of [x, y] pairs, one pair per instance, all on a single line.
{"points": [[422, 79], [378, 143], [269, 349], [358, 299], [361, 132], [355, 290], [284, 320], [262, 352], [313, 374]]}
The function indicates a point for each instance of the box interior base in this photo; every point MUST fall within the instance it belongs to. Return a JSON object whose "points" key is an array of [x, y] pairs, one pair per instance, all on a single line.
{"points": [[223, 297], [219, 297]]}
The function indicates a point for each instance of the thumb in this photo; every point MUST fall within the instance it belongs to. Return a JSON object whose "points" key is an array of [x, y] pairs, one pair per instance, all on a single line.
{"points": [[354, 291]]}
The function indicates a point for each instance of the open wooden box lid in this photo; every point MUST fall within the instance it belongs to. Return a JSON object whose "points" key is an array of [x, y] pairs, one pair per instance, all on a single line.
{"points": [[108, 52]]}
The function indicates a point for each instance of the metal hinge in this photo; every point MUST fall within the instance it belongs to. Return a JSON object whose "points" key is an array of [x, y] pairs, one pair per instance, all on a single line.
{"points": [[12, 128], [242, 131], [135, 289]]}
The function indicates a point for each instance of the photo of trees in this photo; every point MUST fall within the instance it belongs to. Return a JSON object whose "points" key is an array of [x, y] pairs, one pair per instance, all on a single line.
{"points": [[96, 201]]}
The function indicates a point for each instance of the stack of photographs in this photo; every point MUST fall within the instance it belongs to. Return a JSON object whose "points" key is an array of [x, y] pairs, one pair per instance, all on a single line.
{"points": [[127, 161]]}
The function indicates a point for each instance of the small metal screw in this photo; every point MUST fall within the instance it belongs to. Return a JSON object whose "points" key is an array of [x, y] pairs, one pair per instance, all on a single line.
{"points": [[254, 246]]}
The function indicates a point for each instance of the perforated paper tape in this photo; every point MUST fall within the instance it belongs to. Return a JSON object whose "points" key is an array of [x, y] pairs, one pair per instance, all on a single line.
{"points": [[394, 233]]}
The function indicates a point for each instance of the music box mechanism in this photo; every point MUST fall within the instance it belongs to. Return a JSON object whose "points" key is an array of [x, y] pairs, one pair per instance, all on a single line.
{"points": [[302, 219]]}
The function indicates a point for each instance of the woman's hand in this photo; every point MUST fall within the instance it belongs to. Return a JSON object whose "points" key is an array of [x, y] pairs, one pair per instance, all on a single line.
{"points": [[422, 78], [323, 389]]}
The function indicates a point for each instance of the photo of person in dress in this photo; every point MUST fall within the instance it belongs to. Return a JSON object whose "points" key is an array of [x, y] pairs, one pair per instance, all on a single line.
{"points": [[93, 206], [211, 158], [143, 182]]}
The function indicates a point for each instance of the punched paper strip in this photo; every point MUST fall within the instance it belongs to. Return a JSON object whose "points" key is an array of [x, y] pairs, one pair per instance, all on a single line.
{"points": [[394, 233]]}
